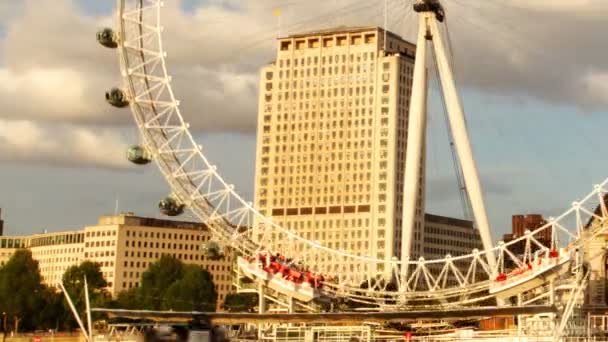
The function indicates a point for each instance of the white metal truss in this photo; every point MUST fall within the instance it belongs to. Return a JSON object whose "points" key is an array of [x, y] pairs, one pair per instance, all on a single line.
{"points": [[195, 182], [429, 30]]}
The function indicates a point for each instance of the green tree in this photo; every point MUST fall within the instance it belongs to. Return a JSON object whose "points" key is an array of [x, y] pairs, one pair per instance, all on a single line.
{"points": [[157, 279], [195, 291], [21, 289], [168, 284], [73, 281], [50, 310], [128, 299], [241, 302]]}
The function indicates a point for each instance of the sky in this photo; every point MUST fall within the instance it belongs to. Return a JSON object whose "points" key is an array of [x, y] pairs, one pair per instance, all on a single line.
{"points": [[533, 76]]}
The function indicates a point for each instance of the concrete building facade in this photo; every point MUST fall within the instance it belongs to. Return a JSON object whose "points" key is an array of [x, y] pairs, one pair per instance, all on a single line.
{"points": [[333, 115], [124, 246], [449, 236]]}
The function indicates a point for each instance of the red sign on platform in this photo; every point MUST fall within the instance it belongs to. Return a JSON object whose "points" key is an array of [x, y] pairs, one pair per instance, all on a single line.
{"points": [[36, 339]]}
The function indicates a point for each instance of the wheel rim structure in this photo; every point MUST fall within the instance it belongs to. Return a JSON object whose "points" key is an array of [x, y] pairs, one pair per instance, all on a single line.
{"points": [[196, 183]]}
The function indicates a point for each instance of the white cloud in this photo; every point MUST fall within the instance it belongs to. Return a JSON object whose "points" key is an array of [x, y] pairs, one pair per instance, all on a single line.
{"points": [[570, 6], [57, 93], [542, 50], [595, 86], [27, 141]]}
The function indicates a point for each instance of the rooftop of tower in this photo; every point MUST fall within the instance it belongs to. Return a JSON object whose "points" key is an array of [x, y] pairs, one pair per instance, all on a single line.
{"points": [[341, 30]]}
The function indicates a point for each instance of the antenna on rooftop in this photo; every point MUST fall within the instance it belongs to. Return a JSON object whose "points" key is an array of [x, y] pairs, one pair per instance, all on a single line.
{"points": [[385, 22], [116, 205], [277, 13]]}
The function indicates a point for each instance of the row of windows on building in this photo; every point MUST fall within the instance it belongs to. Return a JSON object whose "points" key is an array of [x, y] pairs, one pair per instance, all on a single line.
{"points": [[339, 192], [162, 245], [144, 254], [101, 243], [56, 240], [350, 188], [323, 174], [157, 255], [329, 137], [469, 234], [347, 133], [341, 196], [353, 95], [100, 233], [341, 122], [47, 260], [318, 181], [329, 59], [304, 164], [342, 135], [316, 94], [12, 243], [329, 87], [316, 201], [334, 162], [325, 102], [321, 142], [299, 154], [324, 185], [170, 236], [321, 73], [41, 241], [54, 251], [326, 224], [336, 98], [339, 169], [337, 199], [469, 244], [99, 254], [334, 115]]}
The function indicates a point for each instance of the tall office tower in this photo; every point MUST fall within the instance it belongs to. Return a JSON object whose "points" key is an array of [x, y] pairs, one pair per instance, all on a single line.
{"points": [[331, 142]]}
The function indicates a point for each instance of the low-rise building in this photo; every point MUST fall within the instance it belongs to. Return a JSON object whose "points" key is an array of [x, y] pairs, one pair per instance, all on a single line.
{"points": [[446, 235], [522, 223], [124, 246]]}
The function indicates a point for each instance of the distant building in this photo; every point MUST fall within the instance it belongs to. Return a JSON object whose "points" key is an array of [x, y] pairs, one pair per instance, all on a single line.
{"points": [[125, 246], [333, 113], [446, 235], [522, 223]]}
